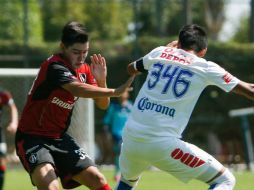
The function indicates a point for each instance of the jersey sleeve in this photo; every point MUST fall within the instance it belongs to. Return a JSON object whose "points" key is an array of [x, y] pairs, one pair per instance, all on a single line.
{"points": [[59, 75], [6, 98], [143, 64], [218, 76]]}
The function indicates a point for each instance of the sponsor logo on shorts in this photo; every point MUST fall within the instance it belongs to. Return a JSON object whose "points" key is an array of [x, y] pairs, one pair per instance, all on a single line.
{"points": [[187, 158], [33, 158], [62, 104], [145, 104]]}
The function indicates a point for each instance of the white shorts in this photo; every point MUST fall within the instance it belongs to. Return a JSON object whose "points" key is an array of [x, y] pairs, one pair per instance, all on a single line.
{"points": [[181, 159]]}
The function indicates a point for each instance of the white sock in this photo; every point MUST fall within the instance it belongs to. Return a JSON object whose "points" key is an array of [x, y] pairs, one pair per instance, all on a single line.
{"points": [[224, 182]]}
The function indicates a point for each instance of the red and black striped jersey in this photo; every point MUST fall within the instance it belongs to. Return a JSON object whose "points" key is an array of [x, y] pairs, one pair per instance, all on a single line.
{"points": [[49, 106]]}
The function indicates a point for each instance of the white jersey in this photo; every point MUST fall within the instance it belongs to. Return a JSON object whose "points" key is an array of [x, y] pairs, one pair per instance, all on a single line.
{"points": [[173, 85]]}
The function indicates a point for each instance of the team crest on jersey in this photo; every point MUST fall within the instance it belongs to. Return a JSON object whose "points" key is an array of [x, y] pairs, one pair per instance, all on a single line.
{"points": [[82, 77]]}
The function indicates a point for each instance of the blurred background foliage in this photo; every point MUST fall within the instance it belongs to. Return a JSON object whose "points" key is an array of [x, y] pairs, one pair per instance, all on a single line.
{"points": [[122, 31]]}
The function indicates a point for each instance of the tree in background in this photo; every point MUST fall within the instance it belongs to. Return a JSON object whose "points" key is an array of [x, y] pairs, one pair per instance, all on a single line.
{"points": [[56, 13], [251, 23], [35, 21], [108, 19], [159, 18], [112, 21], [242, 35], [245, 32], [104, 19], [11, 20], [214, 17]]}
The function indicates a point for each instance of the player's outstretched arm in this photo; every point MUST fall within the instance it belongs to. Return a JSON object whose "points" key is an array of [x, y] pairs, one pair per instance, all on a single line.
{"points": [[245, 89], [132, 69], [89, 91], [13, 125]]}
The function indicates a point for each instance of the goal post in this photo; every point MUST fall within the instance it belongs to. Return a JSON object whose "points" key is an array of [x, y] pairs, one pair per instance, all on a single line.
{"points": [[249, 152], [19, 80], [82, 125]]}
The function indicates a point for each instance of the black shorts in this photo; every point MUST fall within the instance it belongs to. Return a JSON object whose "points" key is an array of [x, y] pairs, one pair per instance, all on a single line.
{"points": [[64, 154]]}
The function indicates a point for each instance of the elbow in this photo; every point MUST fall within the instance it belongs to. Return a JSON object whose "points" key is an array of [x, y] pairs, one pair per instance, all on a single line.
{"points": [[102, 107], [102, 103], [131, 69], [251, 94], [245, 89]]}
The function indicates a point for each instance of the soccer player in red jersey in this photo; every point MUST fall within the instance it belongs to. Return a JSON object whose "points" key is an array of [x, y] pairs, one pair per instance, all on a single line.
{"points": [[6, 100], [43, 146]]}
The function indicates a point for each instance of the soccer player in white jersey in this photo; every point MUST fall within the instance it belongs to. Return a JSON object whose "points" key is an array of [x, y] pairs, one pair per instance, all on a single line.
{"points": [[152, 136]]}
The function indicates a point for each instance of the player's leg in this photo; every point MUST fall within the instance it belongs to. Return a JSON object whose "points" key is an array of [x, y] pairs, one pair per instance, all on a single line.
{"points": [[92, 178], [44, 177], [223, 180], [3, 150], [217, 176], [117, 141], [80, 168], [125, 184], [2, 171], [132, 163], [186, 161], [37, 160]]}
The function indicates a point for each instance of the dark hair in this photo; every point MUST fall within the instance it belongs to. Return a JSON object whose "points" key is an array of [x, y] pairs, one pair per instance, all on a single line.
{"points": [[74, 32], [193, 37]]}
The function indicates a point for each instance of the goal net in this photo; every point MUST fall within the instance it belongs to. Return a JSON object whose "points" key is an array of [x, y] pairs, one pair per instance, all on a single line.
{"points": [[18, 81]]}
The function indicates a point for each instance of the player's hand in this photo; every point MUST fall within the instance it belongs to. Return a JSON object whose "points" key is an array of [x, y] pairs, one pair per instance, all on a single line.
{"points": [[173, 44], [12, 127], [99, 68], [125, 87]]}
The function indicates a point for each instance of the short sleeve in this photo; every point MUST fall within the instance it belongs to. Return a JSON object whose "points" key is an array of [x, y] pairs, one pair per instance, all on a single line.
{"points": [[59, 75], [218, 76], [149, 58], [6, 98]]}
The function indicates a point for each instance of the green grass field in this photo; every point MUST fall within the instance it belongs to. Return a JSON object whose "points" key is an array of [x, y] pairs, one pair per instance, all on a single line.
{"points": [[17, 179]]}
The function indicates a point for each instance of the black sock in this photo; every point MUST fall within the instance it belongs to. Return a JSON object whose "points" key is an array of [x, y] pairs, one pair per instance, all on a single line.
{"points": [[1, 179]]}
